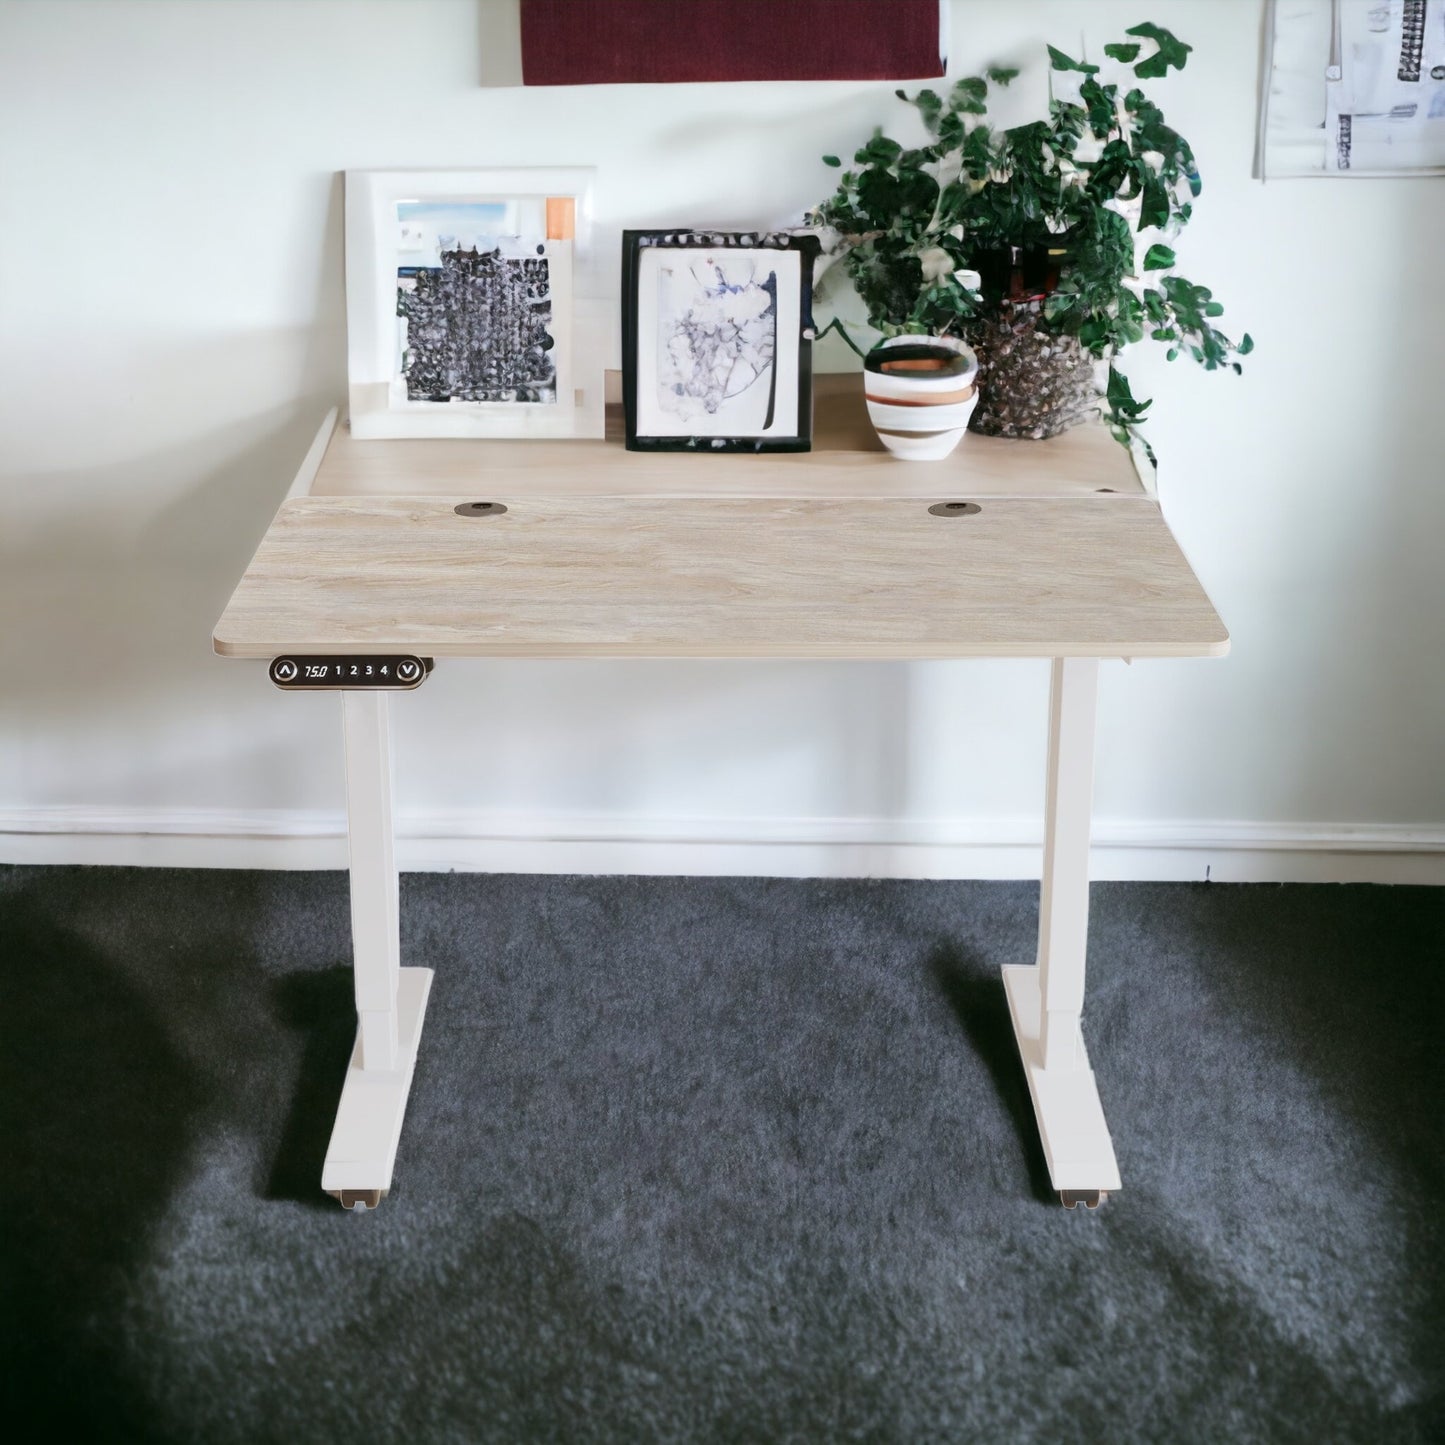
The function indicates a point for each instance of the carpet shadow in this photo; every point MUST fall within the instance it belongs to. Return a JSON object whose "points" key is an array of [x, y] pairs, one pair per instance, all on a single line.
{"points": [[100, 1113], [1339, 990], [321, 1007], [976, 995]]}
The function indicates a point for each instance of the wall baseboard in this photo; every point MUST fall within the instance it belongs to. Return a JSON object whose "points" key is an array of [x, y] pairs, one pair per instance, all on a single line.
{"points": [[444, 841]]}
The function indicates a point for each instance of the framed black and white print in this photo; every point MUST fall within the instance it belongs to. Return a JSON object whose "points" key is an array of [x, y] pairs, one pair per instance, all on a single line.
{"points": [[717, 340], [465, 314]]}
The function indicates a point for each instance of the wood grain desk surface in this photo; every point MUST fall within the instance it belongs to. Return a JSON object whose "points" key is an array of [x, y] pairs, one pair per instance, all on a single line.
{"points": [[829, 554], [847, 460]]}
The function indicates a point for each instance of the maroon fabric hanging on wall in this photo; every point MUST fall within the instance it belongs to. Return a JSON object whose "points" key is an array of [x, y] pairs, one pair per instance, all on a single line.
{"points": [[602, 42]]}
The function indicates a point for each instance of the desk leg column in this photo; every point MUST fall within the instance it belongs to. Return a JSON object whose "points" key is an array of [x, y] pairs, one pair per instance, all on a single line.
{"points": [[1047, 1001], [390, 1000]]}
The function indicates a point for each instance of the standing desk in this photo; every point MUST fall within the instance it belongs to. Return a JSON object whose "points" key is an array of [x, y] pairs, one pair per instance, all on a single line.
{"points": [[438, 549]]}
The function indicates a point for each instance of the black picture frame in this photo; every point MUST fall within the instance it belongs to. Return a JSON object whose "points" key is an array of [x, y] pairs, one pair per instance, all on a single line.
{"points": [[788, 404]]}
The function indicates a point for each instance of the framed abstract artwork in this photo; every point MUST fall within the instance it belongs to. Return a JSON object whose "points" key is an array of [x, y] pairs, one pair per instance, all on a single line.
{"points": [[717, 340], [464, 316]]}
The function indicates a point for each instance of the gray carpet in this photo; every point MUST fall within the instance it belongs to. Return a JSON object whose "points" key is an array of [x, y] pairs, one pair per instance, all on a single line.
{"points": [[719, 1159]]}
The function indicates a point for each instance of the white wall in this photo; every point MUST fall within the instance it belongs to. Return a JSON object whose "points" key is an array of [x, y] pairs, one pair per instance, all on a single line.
{"points": [[172, 329]]}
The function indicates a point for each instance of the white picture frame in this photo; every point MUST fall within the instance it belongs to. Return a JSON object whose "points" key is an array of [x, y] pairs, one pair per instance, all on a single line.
{"points": [[383, 402]]}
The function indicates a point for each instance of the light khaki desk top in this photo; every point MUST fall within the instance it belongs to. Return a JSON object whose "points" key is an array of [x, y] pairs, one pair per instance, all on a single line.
{"points": [[847, 460], [830, 554]]}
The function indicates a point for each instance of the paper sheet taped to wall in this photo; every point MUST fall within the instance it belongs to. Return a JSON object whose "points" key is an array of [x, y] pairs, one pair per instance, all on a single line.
{"points": [[1355, 87]]}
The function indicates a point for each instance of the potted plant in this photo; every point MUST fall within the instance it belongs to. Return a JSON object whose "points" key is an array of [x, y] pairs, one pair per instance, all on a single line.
{"points": [[1043, 247]]}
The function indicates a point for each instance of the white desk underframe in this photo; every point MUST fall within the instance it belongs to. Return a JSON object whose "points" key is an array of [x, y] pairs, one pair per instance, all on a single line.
{"points": [[1046, 1000]]}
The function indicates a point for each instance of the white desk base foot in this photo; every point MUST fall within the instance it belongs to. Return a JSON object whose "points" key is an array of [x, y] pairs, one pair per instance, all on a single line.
{"points": [[373, 1101], [1077, 1146]]}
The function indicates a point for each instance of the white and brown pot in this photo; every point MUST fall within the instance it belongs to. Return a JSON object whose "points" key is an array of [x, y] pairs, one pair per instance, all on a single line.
{"points": [[921, 393]]}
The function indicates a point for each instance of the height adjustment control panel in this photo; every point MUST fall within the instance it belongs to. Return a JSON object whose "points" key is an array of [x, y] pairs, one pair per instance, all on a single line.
{"points": [[399, 673]]}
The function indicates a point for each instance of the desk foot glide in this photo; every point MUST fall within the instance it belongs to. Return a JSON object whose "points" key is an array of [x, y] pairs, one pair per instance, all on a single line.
{"points": [[358, 1201], [1089, 1198]]}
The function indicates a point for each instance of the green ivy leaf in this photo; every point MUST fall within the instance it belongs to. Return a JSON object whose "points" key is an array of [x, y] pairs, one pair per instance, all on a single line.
{"points": [[1121, 399], [1112, 170], [1000, 74], [917, 193], [1059, 61], [1154, 206], [1158, 258], [930, 106], [1171, 51], [1214, 309], [970, 95], [878, 197], [950, 129], [1099, 103], [831, 161], [1126, 53], [977, 154], [880, 151], [1246, 344], [1118, 389]]}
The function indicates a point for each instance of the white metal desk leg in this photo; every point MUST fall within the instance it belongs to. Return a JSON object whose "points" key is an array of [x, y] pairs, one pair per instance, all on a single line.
{"points": [[390, 1000], [1047, 1002]]}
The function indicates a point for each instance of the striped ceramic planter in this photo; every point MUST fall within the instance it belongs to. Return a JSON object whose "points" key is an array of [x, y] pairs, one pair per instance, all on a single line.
{"points": [[921, 393]]}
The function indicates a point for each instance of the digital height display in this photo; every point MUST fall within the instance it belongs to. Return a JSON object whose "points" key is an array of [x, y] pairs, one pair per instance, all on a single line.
{"points": [[302, 674]]}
